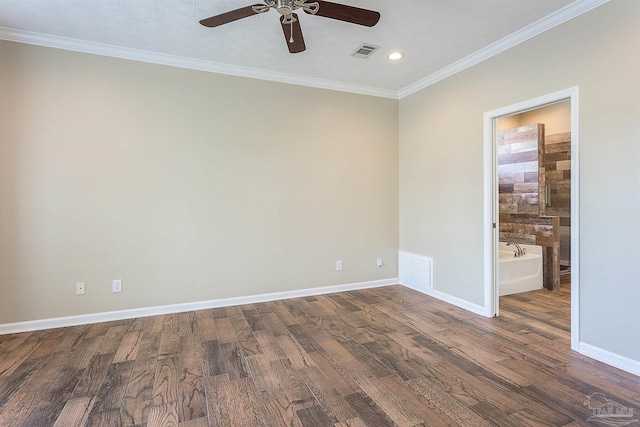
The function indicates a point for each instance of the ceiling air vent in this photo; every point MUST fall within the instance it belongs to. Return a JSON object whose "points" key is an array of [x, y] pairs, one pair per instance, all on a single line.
{"points": [[365, 50]]}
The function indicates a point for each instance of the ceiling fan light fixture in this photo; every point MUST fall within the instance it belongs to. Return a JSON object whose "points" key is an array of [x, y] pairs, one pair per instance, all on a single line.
{"points": [[396, 56], [284, 10]]}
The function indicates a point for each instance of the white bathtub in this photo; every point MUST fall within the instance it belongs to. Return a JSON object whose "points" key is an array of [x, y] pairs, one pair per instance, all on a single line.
{"points": [[519, 274]]}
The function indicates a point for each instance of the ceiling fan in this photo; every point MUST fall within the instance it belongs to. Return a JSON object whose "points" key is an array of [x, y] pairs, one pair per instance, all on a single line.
{"points": [[289, 20]]}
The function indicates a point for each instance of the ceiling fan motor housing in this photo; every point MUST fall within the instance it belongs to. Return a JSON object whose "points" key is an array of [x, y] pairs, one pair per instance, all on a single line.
{"points": [[284, 7]]}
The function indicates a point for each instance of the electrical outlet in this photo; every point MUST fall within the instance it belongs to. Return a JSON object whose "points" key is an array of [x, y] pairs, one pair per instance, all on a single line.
{"points": [[80, 288], [379, 262], [116, 286], [339, 265]]}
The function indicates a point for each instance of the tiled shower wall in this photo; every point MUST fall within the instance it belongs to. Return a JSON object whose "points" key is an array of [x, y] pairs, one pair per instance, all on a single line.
{"points": [[557, 163], [520, 180]]}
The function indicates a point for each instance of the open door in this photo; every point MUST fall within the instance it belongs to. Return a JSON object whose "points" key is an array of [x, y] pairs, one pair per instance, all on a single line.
{"points": [[491, 196]]}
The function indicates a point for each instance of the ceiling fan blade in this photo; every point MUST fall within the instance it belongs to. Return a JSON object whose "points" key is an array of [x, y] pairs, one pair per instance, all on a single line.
{"points": [[233, 15], [293, 31], [352, 14]]}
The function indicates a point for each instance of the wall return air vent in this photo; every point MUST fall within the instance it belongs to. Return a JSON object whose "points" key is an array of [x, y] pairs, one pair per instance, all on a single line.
{"points": [[365, 50]]}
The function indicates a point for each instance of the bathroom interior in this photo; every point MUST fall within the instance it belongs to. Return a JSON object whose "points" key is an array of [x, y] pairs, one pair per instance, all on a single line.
{"points": [[534, 180]]}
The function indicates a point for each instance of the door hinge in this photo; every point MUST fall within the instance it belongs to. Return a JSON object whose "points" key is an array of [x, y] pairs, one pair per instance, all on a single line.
{"points": [[494, 225]]}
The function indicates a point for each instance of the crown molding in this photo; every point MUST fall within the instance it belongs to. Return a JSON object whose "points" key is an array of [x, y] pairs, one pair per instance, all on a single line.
{"points": [[563, 15], [559, 17], [102, 49]]}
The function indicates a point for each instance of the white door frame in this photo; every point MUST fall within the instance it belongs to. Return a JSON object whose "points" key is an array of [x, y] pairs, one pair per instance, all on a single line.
{"points": [[491, 291]]}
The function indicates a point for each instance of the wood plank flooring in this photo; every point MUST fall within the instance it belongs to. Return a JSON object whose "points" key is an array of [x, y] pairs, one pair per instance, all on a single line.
{"points": [[379, 357]]}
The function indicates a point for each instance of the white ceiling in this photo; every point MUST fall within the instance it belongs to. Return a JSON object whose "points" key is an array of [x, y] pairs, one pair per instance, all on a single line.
{"points": [[438, 37]]}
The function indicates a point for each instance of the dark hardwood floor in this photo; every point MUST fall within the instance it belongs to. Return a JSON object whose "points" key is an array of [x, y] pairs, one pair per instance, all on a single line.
{"points": [[377, 357]]}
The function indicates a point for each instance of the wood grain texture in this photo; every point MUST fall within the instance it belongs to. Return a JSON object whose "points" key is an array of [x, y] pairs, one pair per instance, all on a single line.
{"points": [[192, 398], [520, 156], [165, 415], [219, 396], [166, 380], [397, 358], [557, 155], [282, 413], [75, 413], [135, 406], [527, 162], [368, 410]]}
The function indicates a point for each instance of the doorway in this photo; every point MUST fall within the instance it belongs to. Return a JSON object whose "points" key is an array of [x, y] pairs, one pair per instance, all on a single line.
{"points": [[492, 196]]}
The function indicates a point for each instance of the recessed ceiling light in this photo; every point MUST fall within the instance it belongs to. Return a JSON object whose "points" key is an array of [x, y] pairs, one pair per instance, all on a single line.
{"points": [[394, 56]]}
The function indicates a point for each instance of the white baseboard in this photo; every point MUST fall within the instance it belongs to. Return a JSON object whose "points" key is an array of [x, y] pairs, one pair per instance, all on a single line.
{"points": [[613, 359], [85, 319], [458, 302], [597, 353]]}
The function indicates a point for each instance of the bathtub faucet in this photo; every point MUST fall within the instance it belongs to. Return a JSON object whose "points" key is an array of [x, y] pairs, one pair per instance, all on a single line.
{"points": [[520, 252]]}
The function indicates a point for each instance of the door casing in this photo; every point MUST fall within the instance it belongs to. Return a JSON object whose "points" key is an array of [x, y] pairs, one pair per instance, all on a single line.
{"points": [[491, 292]]}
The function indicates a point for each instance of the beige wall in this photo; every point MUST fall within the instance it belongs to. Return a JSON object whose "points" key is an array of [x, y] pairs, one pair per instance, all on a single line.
{"points": [[193, 186], [189, 186], [441, 164]]}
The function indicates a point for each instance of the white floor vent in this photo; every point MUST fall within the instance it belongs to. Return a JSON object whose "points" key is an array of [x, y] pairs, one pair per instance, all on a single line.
{"points": [[415, 271]]}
